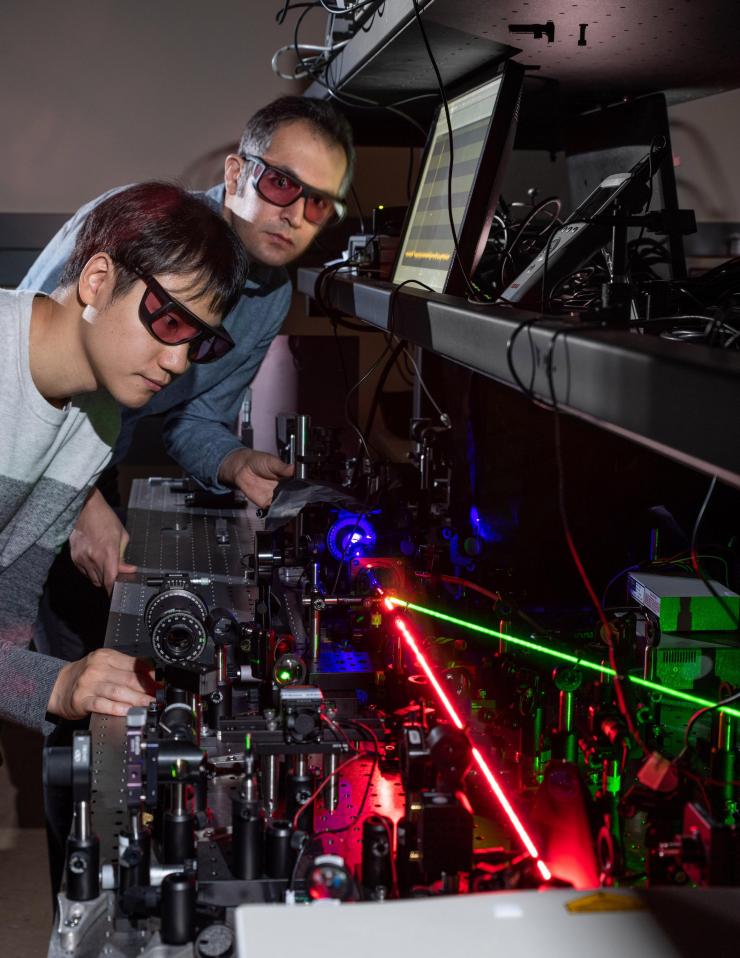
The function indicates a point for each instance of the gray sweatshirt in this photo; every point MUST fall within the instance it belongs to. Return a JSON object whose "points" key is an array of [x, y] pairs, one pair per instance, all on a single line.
{"points": [[49, 459]]}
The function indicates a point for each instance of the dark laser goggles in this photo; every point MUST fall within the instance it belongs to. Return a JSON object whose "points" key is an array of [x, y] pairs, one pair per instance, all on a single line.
{"points": [[172, 324], [283, 189]]}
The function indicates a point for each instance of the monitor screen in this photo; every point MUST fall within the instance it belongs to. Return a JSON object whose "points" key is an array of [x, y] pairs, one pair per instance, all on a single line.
{"points": [[483, 122]]}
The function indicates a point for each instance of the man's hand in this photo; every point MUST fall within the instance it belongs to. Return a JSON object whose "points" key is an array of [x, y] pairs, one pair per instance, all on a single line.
{"points": [[105, 681], [255, 473], [98, 542]]}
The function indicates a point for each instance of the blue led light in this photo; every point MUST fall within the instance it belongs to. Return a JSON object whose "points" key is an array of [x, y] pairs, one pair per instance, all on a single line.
{"points": [[494, 530], [475, 519], [350, 536]]}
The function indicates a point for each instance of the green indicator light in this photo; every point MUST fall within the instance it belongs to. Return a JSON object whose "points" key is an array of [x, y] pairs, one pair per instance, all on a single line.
{"points": [[614, 780], [283, 675], [569, 713], [565, 657], [173, 772], [248, 742]]}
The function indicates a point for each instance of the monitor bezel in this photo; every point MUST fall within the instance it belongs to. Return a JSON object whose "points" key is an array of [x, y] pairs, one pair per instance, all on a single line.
{"points": [[484, 195]]}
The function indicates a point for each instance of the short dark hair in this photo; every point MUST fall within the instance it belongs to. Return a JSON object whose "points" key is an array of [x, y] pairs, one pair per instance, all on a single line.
{"points": [[156, 228], [326, 120]]}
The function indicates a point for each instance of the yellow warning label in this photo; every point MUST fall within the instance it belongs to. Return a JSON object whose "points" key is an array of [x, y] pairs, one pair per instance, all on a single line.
{"points": [[602, 901]]}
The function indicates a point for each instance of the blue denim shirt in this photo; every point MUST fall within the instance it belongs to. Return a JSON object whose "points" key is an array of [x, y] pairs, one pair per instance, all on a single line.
{"points": [[202, 406]]}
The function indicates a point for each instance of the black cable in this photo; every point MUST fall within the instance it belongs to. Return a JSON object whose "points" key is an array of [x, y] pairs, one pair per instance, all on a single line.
{"points": [[366, 25], [527, 325], [446, 106], [339, 732], [657, 142], [351, 100], [707, 708], [550, 201], [342, 364], [346, 11], [334, 316], [319, 287], [296, 45], [544, 295], [409, 174], [356, 102], [390, 363], [375, 762], [607, 631], [362, 437], [527, 390], [698, 520], [336, 728], [281, 14], [393, 299], [319, 295], [359, 208], [299, 858], [358, 327]]}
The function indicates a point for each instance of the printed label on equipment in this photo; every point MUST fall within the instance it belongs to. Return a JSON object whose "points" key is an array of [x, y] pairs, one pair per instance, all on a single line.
{"points": [[604, 901]]}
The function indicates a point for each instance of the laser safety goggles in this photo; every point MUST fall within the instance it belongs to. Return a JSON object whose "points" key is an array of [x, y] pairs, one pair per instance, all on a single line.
{"points": [[283, 189], [172, 324]]}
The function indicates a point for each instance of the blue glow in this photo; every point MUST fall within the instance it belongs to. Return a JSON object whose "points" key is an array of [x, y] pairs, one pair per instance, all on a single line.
{"points": [[350, 536], [489, 531], [488, 534]]}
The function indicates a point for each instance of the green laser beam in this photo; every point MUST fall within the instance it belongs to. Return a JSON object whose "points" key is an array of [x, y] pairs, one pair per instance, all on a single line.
{"points": [[565, 657]]}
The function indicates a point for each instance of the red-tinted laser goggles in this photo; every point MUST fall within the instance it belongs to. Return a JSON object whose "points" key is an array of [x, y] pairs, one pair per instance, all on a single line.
{"points": [[172, 324], [283, 189]]}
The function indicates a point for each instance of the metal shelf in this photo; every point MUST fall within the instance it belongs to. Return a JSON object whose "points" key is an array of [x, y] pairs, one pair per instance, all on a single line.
{"points": [[678, 399], [683, 48]]}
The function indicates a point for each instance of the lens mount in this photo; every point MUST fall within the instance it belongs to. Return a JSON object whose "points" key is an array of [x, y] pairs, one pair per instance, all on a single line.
{"points": [[175, 619]]}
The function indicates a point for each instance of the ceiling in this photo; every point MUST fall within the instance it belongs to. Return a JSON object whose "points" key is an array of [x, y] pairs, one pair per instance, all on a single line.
{"points": [[686, 48]]}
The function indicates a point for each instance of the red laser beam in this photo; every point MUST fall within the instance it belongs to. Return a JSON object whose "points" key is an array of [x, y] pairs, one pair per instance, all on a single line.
{"points": [[488, 774], [410, 641]]}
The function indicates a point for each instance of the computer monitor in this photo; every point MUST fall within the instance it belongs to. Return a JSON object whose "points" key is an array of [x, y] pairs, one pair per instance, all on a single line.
{"points": [[483, 123]]}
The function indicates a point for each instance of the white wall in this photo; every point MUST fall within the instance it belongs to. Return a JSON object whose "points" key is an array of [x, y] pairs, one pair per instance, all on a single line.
{"points": [[96, 93], [705, 136]]}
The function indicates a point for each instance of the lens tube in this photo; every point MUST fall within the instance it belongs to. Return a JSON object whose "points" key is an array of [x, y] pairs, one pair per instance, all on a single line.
{"points": [[175, 619]]}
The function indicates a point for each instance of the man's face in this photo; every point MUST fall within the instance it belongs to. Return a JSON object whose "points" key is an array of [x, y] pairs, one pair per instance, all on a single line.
{"points": [[124, 357], [275, 235]]}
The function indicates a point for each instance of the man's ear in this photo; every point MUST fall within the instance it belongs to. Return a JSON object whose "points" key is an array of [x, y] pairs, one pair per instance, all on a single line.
{"points": [[232, 172], [96, 281]]}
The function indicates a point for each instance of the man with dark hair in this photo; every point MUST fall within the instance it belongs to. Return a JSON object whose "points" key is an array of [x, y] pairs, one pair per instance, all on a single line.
{"points": [[286, 182], [152, 274]]}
